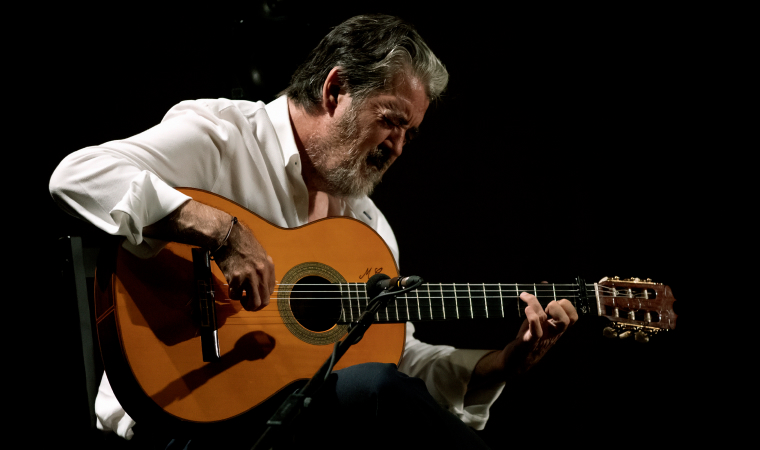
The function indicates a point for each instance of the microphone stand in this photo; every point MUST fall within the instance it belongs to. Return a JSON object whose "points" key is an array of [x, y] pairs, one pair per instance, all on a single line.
{"points": [[300, 399]]}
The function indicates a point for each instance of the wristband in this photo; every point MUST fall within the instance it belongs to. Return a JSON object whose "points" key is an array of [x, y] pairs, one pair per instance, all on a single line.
{"points": [[224, 241]]}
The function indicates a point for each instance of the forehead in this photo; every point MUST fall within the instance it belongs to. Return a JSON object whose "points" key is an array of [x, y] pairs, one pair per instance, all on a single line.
{"points": [[408, 100]]}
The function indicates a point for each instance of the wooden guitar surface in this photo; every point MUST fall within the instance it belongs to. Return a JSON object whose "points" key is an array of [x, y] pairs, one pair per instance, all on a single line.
{"points": [[149, 336]]}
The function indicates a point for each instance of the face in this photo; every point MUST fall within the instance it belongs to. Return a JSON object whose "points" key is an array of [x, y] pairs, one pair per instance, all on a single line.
{"points": [[364, 140]]}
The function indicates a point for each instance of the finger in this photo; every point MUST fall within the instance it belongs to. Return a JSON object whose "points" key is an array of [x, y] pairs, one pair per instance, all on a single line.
{"points": [[569, 309], [234, 290], [271, 281], [252, 299], [264, 294], [533, 304], [560, 319], [534, 326]]}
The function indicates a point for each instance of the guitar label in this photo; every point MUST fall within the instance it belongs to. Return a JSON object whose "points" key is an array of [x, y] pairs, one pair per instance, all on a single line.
{"points": [[369, 270]]}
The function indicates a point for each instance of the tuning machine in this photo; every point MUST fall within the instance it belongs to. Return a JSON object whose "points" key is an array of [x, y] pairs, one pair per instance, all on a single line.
{"points": [[629, 280], [624, 331]]}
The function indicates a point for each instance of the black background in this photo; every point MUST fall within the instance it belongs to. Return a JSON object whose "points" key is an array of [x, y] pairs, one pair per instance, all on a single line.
{"points": [[557, 151]]}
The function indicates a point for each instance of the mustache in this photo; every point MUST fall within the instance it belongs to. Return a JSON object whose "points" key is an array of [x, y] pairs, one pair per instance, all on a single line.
{"points": [[379, 157]]}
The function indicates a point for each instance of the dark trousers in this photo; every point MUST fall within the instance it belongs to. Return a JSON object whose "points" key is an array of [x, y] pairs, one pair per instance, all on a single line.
{"points": [[368, 406]]}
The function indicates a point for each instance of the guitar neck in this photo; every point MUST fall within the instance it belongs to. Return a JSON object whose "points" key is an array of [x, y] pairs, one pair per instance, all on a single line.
{"points": [[441, 301]]}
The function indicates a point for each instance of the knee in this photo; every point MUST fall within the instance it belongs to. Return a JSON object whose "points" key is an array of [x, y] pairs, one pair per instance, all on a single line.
{"points": [[367, 381]]}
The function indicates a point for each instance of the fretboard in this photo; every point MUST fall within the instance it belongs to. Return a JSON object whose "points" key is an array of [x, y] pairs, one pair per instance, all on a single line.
{"points": [[442, 301]]}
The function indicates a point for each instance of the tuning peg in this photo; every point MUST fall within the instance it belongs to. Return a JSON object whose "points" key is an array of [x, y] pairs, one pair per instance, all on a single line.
{"points": [[624, 334], [609, 332], [641, 336]]}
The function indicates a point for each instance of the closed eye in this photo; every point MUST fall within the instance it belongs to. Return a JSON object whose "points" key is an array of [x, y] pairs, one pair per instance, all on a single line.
{"points": [[411, 134]]}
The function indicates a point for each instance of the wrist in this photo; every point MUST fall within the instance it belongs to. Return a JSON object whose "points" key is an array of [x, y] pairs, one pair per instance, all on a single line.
{"points": [[226, 239]]}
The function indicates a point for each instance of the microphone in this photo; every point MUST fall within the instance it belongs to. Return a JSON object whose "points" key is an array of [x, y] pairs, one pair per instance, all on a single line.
{"points": [[398, 282], [381, 282]]}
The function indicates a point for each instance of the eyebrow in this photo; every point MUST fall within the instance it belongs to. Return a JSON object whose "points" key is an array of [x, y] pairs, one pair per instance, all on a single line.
{"points": [[400, 116]]}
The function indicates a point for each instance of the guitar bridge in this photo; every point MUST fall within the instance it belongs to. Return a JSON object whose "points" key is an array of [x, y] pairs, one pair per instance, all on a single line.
{"points": [[204, 293]]}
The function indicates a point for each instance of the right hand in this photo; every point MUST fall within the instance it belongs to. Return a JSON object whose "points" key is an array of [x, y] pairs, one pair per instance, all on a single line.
{"points": [[247, 267]]}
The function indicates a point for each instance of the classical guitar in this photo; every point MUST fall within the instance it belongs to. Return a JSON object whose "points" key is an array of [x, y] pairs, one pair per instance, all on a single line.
{"points": [[177, 351]]}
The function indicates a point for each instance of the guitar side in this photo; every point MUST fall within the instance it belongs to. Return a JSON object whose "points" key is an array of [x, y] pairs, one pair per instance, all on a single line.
{"points": [[147, 326]]}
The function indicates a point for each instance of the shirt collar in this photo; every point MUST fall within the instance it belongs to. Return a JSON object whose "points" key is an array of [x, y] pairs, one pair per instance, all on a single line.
{"points": [[277, 110]]}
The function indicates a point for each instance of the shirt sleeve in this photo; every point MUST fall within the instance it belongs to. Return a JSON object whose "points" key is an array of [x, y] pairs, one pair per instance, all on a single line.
{"points": [[110, 415], [122, 186], [446, 372]]}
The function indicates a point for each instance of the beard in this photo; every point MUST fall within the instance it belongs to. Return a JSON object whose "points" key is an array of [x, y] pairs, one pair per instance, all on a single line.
{"points": [[343, 169]]}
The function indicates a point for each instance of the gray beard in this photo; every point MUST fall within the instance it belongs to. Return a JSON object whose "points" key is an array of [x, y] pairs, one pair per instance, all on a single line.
{"points": [[357, 173]]}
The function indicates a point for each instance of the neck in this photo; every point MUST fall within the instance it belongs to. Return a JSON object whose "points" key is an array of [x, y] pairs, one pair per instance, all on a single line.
{"points": [[321, 205], [305, 126], [441, 301]]}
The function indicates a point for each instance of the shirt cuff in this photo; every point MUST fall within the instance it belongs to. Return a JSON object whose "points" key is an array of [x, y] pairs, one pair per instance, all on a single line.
{"points": [[471, 405], [147, 200]]}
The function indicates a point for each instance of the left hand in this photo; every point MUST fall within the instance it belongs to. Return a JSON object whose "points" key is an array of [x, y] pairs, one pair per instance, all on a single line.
{"points": [[539, 332]]}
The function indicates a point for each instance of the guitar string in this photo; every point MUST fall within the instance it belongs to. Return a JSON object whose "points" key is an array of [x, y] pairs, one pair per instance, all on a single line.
{"points": [[479, 309], [477, 288], [390, 314], [433, 304], [441, 296]]}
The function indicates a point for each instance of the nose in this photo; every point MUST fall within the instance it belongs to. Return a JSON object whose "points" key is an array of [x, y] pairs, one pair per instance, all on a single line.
{"points": [[397, 140]]}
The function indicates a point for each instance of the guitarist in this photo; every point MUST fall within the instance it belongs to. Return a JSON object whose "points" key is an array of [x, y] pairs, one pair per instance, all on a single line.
{"points": [[316, 151]]}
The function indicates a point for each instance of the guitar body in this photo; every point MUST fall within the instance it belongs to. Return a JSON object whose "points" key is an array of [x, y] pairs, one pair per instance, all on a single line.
{"points": [[148, 326]]}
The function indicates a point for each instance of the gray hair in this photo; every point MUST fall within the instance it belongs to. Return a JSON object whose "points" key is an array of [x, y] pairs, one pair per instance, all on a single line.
{"points": [[372, 51]]}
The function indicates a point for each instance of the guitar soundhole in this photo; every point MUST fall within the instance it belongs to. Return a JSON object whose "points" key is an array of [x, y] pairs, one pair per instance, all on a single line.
{"points": [[315, 303]]}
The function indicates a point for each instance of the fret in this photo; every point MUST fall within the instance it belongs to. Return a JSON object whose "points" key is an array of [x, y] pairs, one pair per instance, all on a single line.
{"points": [[405, 309], [350, 309], [460, 296], [401, 314], [395, 308], [492, 300], [385, 313], [501, 301], [353, 303], [430, 304], [417, 300], [464, 300], [342, 318], [544, 293], [485, 299], [411, 306], [435, 293], [469, 296], [517, 295], [406, 304], [450, 310], [423, 306], [456, 300], [500, 308], [362, 300]]}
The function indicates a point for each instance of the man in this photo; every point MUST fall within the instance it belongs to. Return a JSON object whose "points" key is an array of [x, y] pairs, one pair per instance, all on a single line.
{"points": [[315, 152]]}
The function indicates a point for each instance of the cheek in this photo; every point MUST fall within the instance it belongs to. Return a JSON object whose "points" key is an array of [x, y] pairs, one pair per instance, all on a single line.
{"points": [[378, 137]]}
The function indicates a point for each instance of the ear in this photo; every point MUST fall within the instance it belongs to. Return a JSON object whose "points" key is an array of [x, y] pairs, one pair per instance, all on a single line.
{"points": [[332, 90]]}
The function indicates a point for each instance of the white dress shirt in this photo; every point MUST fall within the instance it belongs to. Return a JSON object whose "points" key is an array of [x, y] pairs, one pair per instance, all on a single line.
{"points": [[246, 152]]}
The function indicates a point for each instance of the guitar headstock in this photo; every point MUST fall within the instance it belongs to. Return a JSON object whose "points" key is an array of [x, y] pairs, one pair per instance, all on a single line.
{"points": [[635, 306]]}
